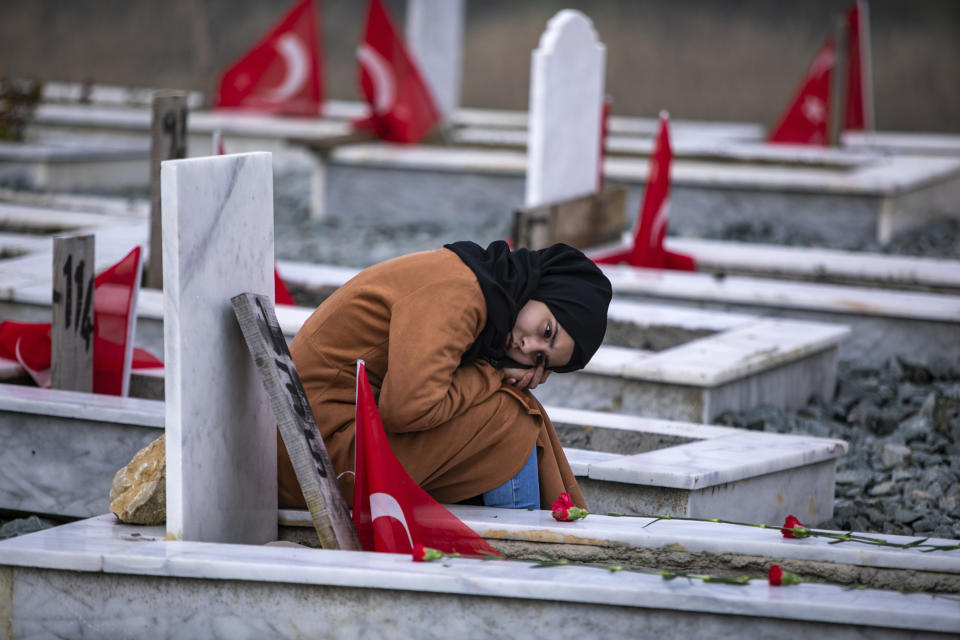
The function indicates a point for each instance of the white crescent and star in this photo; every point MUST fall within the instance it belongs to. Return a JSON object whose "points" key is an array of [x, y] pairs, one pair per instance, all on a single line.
{"points": [[381, 76], [297, 62], [659, 222], [384, 505]]}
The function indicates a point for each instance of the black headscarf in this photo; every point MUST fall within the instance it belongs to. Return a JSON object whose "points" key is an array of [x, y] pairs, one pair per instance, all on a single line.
{"points": [[569, 283]]}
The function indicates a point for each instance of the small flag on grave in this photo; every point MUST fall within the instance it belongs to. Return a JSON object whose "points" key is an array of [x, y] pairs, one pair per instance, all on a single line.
{"points": [[281, 74], [805, 121], [390, 511], [402, 106], [648, 250], [114, 304]]}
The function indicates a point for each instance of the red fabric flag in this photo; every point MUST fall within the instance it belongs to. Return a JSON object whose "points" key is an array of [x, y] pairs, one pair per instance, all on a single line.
{"points": [[858, 115], [280, 291], [114, 302], [648, 250], [390, 511], [805, 120], [402, 107], [282, 73]]}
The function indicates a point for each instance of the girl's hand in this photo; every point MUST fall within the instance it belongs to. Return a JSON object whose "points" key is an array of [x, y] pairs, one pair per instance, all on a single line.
{"points": [[527, 379]]}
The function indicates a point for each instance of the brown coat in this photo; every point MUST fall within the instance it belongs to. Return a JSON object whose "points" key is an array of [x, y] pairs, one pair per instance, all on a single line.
{"points": [[458, 431]]}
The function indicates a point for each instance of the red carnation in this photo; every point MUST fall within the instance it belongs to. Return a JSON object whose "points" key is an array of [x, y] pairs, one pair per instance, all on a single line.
{"points": [[778, 576], [775, 575], [425, 554], [793, 528], [565, 511]]}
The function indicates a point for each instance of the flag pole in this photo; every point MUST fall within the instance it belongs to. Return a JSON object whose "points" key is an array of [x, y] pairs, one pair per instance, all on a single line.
{"points": [[838, 94]]}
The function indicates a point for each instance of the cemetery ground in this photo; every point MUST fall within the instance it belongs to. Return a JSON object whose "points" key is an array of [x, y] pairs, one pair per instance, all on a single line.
{"points": [[902, 420]]}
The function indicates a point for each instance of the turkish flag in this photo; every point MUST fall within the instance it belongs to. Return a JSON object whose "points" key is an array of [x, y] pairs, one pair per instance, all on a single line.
{"points": [[805, 120], [648, 250], [402, 107], [282, 73], [858, 115], [281, 293], [390, 511], [114, 303]]}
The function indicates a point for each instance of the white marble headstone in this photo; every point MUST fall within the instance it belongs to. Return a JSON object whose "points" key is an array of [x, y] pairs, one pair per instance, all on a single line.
{"points": [[434, 31], [566, 95], [221, 434]]}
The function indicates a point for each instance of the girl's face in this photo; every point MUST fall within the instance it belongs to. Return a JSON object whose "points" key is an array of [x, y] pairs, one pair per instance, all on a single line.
{"points": [[537, 338]]}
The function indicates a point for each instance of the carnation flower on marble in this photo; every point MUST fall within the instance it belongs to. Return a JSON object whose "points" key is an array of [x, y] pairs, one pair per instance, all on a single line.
{"points": [[778, 577], [565, 511], [793, 528], [426, 554]]}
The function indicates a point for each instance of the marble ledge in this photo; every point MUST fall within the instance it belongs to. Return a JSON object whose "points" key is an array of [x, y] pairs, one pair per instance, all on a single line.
{"points": [[101, 545], [867, 301], [693, 536], [676, 428], [581, 460], [644, 314], [883, 177], [817, 262], [716, 461], [81, 406]]}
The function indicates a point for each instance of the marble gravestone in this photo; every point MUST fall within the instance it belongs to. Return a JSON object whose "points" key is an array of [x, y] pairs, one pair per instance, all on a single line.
{"points": [[221, 434], [434, 30], [566, 96]]}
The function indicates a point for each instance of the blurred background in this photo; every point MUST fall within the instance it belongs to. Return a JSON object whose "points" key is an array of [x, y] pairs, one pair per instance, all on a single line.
{"points": [[737, 60]]}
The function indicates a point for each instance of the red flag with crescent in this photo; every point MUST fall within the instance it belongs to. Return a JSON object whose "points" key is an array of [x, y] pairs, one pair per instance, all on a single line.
{"points": [[114, 316], [390, 511], [401, 104], [282, 73], [648, 250], [805, 120]]}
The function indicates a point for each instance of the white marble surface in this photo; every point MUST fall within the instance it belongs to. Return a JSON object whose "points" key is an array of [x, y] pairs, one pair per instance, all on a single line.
{"points": [[687, 143], [646, 314], [581, 460], [82, 203], [813, 263], [101, 546], [64, 465], [895, 175], [724, 356], [108, 94], [793, 295], [641, 424], [707, 463], [737, 353], [221, 434], [81, 406], [566, 98]]}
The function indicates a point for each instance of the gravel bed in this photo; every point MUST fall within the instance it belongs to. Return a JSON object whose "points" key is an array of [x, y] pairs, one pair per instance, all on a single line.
{"points": [[902, 472]]}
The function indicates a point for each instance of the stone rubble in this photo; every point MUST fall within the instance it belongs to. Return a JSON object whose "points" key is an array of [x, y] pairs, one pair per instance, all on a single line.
{"points": [[902, 472]]}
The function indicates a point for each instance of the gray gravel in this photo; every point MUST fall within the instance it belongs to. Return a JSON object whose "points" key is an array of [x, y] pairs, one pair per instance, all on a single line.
{"points": [[902, 472]]}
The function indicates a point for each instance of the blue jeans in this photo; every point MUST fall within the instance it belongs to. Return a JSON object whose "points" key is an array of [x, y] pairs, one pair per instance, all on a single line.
{"points": [[522, 491]]}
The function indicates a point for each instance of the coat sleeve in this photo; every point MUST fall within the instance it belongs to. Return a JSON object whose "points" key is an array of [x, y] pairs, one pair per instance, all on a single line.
{"points": [[424, 385]]}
